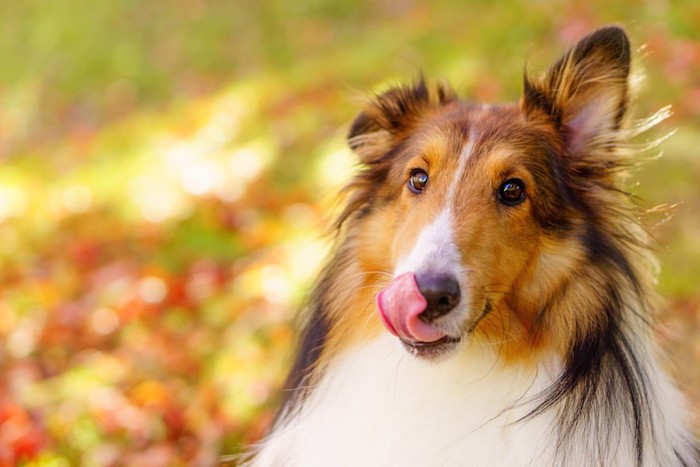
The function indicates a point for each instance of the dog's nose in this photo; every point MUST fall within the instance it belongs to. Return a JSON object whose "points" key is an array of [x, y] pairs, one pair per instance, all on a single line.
{"points": [[441, 291]]}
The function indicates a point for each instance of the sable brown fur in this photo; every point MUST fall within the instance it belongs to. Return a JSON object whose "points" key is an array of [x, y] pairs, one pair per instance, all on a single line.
{"points": [[568, 272]]}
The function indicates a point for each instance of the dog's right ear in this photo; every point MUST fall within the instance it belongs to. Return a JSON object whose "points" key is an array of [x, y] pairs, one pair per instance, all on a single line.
{"points": [[389, 117]]}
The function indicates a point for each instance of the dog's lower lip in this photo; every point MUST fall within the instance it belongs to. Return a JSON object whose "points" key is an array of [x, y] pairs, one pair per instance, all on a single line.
{"points": [[437, 343]]}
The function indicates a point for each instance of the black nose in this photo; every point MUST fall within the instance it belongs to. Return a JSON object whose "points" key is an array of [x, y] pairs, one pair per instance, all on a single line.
{"points": [[441, 291]]}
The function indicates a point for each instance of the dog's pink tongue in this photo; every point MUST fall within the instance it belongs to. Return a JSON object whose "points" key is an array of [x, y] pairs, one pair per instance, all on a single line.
{"points": [[400, 305]]}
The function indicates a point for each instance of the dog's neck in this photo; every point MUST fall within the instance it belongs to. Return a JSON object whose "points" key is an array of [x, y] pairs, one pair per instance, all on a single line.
{"points": [[378, 405]]}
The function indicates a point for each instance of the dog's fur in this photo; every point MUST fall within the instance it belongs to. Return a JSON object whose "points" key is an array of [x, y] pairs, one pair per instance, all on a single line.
{"points": [[555, 363]]}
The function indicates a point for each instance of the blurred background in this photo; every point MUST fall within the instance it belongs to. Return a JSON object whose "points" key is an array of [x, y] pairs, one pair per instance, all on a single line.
{"points": [[167, 171]]}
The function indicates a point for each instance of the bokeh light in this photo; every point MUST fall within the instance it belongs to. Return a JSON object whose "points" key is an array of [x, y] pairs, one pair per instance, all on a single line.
{"points": [[168, 171]]}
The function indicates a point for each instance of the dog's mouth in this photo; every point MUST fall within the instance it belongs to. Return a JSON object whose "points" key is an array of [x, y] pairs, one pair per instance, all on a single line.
{"points": [[400, 306], [431, 350]]}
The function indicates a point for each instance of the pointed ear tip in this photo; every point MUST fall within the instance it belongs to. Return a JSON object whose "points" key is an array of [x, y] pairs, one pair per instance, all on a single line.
{"points": [[612, 35], [612, 30], [608, 44]]}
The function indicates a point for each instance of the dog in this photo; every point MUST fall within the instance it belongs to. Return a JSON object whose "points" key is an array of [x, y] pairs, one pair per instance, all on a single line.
{"points": [[490, 296]]}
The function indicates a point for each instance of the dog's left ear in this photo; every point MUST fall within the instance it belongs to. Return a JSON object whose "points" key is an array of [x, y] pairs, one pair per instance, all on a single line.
{"points": [[586, 91]]}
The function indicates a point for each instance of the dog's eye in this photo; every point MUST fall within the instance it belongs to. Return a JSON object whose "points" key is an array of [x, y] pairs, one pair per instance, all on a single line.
{"points": [[418, 180], [512, 192]]}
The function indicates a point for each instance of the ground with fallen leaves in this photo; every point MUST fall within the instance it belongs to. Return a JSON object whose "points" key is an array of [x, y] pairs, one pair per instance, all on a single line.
{"points": [[167, 170]]}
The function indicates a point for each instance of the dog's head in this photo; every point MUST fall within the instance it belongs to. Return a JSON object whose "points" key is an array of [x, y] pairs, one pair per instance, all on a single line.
{"points": [[485, 214]]}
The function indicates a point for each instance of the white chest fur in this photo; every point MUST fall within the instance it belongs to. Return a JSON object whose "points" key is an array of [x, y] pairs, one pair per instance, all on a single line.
{"points": [[379, 406]]}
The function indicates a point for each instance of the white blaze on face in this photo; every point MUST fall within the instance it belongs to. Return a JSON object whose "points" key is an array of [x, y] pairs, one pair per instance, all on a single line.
{"points": [[435, 249]]}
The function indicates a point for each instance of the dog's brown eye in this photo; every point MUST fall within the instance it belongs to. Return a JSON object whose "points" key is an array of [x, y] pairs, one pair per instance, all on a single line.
{"points": [[418, 181], [512, 192]]}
